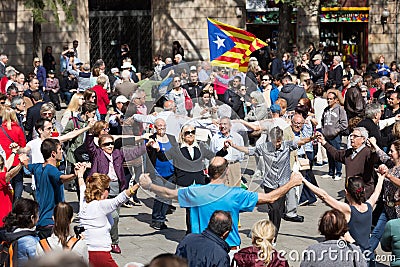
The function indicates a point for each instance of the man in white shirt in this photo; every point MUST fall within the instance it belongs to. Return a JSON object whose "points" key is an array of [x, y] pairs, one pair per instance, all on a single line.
{"points": [[234, 156]]}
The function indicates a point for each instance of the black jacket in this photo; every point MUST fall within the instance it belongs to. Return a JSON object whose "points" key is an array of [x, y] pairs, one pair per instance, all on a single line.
{"points": [[205, 250], [335, 77], [234, 101], [188, 169], [317, 73]]}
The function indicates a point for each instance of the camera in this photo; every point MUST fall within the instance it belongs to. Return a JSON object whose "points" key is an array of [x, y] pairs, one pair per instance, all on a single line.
{"points": [[78, 230]]}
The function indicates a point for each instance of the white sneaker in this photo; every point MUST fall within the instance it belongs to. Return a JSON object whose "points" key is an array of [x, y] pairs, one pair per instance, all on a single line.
{"points": [[337, 178], [326, 176]]}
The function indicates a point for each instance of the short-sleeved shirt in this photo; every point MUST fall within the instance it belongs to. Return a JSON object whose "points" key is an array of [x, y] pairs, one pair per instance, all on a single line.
{"points": [[49, 190], [203, 200]]}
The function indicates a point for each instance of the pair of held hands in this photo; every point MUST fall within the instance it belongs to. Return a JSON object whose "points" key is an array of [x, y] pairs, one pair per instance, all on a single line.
{"points": [[155, 145]]}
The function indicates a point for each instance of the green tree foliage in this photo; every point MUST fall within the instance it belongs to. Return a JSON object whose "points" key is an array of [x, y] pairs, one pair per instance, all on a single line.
{"points": [[38, 7]]}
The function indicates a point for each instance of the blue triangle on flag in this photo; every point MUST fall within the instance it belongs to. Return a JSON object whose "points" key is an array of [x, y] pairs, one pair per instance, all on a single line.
{"points": [[218, 41]]}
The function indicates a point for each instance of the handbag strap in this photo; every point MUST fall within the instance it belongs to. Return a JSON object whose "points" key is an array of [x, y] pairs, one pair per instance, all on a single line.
{"points": [[8, 136]]}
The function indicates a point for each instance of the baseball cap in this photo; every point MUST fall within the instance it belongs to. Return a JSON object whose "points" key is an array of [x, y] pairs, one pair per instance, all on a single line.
{"points": [[121, 99], [317, 57]]}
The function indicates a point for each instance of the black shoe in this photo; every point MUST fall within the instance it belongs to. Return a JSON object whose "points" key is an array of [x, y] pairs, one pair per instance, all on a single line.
{"points": [[297, 218], [135, 200], [158, 225]]}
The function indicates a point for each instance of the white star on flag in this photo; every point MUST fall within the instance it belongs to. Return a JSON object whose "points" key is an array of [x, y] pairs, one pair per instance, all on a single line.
{"points": [[219, 42]]}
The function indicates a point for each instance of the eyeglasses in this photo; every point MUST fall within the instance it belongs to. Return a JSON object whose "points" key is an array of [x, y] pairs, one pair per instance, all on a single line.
{"points": [[107, 144], [192, 132], [177, 81], [106, 129], [266, 79], [160, 128], [243, 89], [355, 136], [47, 114], [2, 102], [297, 123]]}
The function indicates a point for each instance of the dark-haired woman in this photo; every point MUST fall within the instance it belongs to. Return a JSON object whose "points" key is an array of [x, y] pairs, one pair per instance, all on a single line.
{"points": [[391, 189], [333, 226], [61, 239], [95, 216], [105, 159], [19, 222], [358, 211]]}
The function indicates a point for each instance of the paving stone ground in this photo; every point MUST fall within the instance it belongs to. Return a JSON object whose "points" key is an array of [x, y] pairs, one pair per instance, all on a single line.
{"points": [[141, 243]]}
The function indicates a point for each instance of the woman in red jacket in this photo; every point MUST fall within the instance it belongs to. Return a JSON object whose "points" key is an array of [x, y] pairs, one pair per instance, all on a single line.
{"points": [[102, 96], [11, 132]]}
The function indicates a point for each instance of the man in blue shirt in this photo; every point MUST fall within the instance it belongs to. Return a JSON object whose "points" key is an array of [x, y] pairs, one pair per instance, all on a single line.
{"points": [[203, 200], [49, 183]]}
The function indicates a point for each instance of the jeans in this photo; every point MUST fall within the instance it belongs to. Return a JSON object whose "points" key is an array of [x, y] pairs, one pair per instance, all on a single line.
{"points": [[335, 167], [114, 228], [67, 97], [378, 231], [18, 184], [160, 206]]}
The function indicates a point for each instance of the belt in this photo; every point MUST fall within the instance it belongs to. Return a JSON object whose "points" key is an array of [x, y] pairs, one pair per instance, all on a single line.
{"points": [[235, 248], [392, 204], [233, 161]]}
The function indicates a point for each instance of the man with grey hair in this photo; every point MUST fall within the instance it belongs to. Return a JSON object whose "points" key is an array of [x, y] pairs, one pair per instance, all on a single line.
{"points": [[276, 157], [395, 79], [127, 87], [354, 103], [359, 160], [374, 124], [11, 75], [335, 75], [3, 63], [18, 105]]}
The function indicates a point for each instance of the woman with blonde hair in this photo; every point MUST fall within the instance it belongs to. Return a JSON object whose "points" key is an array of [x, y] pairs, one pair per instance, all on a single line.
{"points": [[10, 133], [262, 252], [96, 216], [73, 109], [251, 81]]}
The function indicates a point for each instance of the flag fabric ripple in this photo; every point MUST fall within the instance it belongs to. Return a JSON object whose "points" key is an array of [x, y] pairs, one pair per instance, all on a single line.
{"points": [[230, 46]]}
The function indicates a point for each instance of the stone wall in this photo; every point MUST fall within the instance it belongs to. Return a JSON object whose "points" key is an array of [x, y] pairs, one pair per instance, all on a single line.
{"points": [[16, 32], [380, 42], [186, 21]]}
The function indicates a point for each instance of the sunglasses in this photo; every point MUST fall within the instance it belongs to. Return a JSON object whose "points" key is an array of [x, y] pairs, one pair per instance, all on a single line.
{"points": [[265, 79], [106, 129], [47, 114], [107, 144], [186, 133]]}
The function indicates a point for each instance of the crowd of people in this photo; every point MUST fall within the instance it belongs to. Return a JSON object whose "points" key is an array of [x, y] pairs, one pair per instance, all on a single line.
{"points": [[192, 144]]}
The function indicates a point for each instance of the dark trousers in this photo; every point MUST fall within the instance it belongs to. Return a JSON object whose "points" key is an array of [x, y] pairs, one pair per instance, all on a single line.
{"points": [[275, 211], [18, 184], [160, 206], [54, 98], [335, 167]]}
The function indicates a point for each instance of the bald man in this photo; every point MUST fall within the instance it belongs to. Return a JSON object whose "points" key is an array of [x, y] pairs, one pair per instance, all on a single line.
{"points": [[204, 200]]}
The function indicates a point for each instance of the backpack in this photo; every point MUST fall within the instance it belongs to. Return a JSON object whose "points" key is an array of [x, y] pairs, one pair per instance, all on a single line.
{"points": [[44, 243], [9, 247]]}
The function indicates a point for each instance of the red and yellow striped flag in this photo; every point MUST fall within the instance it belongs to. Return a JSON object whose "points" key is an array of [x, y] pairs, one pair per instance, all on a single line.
{"points": [[244, 43]]}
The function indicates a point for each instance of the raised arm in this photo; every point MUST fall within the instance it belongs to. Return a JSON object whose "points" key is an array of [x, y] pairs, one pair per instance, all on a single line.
{"points": [[73, 134], [146, 183], [271, 197], [378, 188], [324, 196]]}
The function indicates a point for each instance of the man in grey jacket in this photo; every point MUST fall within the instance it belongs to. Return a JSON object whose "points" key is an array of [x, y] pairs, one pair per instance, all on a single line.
{"points": [[334, 121]]}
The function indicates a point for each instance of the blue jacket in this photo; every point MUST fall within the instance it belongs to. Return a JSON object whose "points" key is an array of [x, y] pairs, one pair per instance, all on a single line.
{"points": [[41, 75], [205, 249]]}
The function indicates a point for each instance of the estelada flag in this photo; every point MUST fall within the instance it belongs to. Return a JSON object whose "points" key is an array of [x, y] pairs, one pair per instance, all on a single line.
{"points": [[230, 46]]}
